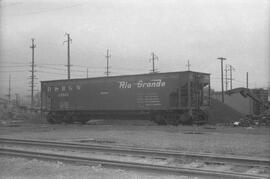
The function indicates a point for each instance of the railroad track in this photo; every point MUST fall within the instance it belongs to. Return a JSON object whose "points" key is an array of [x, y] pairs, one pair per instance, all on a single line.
{"points": [[242, 160], [133, 165]]}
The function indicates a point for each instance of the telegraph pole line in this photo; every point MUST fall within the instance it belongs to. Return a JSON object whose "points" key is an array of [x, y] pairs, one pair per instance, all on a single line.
{"points": [[108, 56], [222, 88], [154, 57], [188, 65], [68, 54], [33, 46], [231, 69]]}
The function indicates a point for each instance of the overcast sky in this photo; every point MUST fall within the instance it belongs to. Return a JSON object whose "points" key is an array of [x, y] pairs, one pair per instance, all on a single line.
{"points": [[175, 30]]}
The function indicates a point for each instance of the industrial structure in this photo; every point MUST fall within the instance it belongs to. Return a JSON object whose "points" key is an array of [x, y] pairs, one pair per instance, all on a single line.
{"points": [[246, 101]]}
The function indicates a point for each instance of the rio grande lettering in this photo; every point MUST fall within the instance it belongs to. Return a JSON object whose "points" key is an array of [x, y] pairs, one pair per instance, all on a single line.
{"points": [[141, 84], [124, 84]]}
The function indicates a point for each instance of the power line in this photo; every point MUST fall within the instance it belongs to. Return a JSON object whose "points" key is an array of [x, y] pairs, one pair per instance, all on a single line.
{"points": [[47, 65], [47, 10], [119, 68], [13, 66], [8, 71], [242, 82], [55, 73], [52, 68], [60, 69], [12, 62], [63, 68], [9, 63], [51, 72], [10, 4], [51, 64]]}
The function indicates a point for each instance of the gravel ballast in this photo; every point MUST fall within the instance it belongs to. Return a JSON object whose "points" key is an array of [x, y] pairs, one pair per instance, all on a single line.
{"points": [[220, 140], [20, 168]]}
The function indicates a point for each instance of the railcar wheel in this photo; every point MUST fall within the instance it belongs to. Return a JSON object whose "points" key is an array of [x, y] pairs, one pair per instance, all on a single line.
{"points": [[58, 120], [200, 117], [53, 118], [186, 118], [158, 119], [172, 119], [68, 118], [177, 119], [83, 119], [83, 122], [50, 118]]}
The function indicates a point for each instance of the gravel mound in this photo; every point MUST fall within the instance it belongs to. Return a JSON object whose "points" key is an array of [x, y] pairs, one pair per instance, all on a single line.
{"points": [[222, 113]]}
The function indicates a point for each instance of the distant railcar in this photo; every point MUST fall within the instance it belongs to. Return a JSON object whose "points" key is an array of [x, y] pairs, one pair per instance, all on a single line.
{"points": [[166, 98]]}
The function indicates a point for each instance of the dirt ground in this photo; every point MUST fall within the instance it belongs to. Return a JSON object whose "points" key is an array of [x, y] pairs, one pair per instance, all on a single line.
{"points": [[19, 168], [211, 139]]}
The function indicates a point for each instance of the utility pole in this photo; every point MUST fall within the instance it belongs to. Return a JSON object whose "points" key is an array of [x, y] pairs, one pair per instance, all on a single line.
{"points": [[108, 56], [68, 54], [247, 79], [33, 46], [9, 89], [17, 99], [226, 77], [87, 73], [188, 65], [231, 69], [222, 88], [154, 57]]}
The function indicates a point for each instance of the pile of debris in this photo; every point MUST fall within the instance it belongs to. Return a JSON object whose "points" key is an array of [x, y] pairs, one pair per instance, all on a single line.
{"points": [[254, 120], [222, 114]]}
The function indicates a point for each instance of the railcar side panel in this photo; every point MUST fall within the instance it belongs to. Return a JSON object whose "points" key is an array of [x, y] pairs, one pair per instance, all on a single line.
{"points": [[145, 92]]}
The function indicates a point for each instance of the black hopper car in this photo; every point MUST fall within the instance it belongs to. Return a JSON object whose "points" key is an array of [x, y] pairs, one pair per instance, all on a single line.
{"points": [[166, 98]]}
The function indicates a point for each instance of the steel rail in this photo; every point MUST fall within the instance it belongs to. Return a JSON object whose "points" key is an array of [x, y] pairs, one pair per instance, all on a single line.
{"points": [[127, 165], [241, 160]]}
